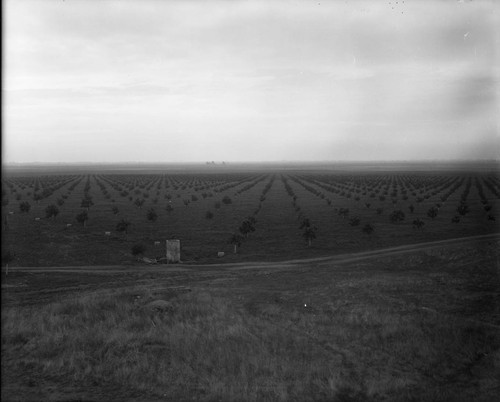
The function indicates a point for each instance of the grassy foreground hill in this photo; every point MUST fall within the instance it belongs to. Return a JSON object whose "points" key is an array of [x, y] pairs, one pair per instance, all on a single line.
{"points": [[416, 324]]}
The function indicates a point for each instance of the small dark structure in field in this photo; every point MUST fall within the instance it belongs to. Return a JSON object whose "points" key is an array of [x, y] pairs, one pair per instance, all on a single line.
{"points": [[173, 250]]}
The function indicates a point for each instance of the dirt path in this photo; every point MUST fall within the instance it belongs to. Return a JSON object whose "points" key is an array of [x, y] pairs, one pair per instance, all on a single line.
{"points": [[337, 259], [35, 285]]}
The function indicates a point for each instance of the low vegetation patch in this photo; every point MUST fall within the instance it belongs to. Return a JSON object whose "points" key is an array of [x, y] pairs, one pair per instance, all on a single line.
{"points": [[275, 336]]}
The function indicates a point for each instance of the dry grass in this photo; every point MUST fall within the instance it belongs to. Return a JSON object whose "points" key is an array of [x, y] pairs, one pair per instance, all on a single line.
{"points": [[207, 347], [418, 327]]}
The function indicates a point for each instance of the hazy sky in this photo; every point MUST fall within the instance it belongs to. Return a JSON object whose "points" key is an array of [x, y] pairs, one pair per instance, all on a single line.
{"points": [[155, 81]]}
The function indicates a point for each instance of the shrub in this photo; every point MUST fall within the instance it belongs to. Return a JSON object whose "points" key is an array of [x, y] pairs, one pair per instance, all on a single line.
{"points": [[152, 215], [24, 206], [86, 202], [432, 212], [236, 240], [309, 234], [354, 221], [418, 223], [305, 223], [247, 226], [123, 226], [82, 217], [343, 212], [226, 200], [51, 211], [368, 229], [7, 257], [463, 209], [138, 249], [397, 216], [37, 197]]}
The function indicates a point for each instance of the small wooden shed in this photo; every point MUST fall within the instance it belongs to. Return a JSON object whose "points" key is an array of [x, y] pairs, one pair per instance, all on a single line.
{"points": [[173, 250]]}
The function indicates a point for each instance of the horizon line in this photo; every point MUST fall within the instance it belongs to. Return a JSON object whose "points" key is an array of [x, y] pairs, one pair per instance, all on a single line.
{"points": [[250, 162], [222, 162]]}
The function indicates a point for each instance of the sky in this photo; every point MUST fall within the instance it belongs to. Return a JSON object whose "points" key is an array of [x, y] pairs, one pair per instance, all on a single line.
{"points": [[297, 80]]}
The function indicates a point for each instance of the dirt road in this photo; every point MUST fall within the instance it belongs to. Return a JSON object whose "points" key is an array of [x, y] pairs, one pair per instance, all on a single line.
{"points": [[36, 285], [338, 259]]}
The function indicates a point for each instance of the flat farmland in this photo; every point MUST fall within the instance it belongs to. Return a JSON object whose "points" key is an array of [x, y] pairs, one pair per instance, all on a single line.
{"points": [[348, 284], [294, 213]]}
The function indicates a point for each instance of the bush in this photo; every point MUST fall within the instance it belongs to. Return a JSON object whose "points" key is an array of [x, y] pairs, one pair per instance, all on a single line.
{"points": [[397, 216], [138, 249], [226, 200], [152, 215], [354, 221], [236, 239], [25, 206], [139, 202], [463, 209], [86, 202], [343, 212], [247, 226], [82, 217], [51, 211], [309, 234], [418, 223], [209, 215], [368, 229], [122, 226], [7, 257], [305, 224], [432, 212]]}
